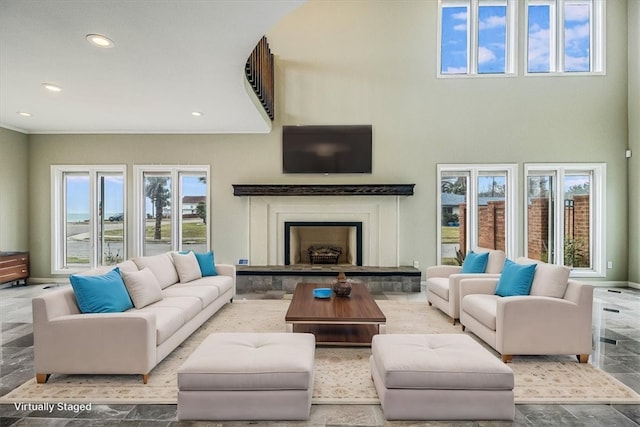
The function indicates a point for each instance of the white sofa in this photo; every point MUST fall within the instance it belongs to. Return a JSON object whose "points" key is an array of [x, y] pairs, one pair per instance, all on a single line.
{"points": [[67, 341], [443, 282], [554, 319]]}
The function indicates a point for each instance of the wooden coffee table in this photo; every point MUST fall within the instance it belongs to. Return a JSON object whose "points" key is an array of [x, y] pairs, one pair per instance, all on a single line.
{"points": [[351, 320]]}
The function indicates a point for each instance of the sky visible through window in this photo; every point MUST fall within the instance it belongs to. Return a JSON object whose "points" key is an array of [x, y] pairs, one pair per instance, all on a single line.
{"points": [[492, 33], [78, 195]]}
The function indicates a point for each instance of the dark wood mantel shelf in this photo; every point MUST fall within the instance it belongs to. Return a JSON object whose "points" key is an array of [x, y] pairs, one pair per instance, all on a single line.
{"points": [[323, 189]]}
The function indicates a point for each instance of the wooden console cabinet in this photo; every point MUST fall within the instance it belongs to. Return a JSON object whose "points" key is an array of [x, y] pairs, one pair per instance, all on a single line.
{"points": [[14, 266]]}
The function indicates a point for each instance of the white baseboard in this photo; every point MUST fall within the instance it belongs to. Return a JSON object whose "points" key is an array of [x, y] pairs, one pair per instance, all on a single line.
{"points": [[634, 285]]}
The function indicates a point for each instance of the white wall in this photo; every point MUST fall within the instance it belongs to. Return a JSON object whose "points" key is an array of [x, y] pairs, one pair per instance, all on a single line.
{"points": [[374, 62]]}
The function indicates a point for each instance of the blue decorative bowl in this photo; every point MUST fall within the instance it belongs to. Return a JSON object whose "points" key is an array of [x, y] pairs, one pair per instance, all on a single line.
{"points": [[322, 292]]}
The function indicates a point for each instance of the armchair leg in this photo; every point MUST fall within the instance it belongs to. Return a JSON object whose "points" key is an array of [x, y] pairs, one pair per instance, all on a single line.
{"points": [[42, 378], [429, 303], [506, 358], [463, 327], [582, 358], [145, 378], [453, 320]]}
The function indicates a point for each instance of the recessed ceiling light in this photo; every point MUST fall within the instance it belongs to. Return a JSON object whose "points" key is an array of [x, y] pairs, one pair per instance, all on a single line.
{"points": [[197, 113], [24, 114], [51, 87], [99, 40]]}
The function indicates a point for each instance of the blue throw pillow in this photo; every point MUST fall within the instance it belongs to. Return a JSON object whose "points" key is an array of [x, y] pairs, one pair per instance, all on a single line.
{"points": [[101, 294], [207, 264], [515, 279], [475, 263]]}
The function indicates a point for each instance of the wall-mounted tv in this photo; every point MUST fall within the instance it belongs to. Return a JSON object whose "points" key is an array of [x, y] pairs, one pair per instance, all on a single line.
{"points": [[327, 149]]}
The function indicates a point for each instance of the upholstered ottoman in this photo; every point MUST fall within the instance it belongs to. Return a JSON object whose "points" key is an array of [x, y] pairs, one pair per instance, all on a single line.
{"points": [[248, 376], [440, 377]]}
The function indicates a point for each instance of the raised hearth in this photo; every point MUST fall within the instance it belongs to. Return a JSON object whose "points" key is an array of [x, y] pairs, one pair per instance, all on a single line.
{"points": [[254, 278]]}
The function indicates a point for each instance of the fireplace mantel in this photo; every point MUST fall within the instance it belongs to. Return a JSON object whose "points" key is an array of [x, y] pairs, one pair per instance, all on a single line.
{"points": [[323, 189]]}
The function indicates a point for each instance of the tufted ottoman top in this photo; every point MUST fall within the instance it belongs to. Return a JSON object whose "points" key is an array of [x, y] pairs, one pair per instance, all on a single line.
{"points": [[250, 361], [440, 361]]}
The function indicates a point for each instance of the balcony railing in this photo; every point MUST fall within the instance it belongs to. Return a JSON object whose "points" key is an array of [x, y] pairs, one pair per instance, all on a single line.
{"points": [[260, 74]]}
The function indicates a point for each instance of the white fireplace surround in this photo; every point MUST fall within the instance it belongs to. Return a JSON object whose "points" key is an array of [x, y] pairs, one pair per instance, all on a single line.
{"points": [[379, 216]]}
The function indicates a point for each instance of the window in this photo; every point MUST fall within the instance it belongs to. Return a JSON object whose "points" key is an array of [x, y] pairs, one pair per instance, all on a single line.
{"points": [[88, 206], [476, 207], [565, 36], [477, 37], [172, 209], [565, 216]]}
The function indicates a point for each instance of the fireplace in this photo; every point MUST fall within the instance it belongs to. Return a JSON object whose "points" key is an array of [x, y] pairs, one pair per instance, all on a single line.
{"points": [[323, 242], [375, 206]]}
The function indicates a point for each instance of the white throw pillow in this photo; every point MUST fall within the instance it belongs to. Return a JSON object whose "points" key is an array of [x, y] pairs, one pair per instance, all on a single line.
{"points": [[161, 266], [143, 287], [187, 266]]}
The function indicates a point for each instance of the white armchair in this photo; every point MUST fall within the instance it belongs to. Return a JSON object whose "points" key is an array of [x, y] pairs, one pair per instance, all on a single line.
{"points": [[443, 282], [554, 319]]}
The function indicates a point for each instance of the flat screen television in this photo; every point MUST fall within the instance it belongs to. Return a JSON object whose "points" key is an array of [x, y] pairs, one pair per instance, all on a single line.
{"points": [[327, 149]]}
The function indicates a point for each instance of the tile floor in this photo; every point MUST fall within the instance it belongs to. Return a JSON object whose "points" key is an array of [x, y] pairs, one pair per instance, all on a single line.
{"points": [[616, 350]]}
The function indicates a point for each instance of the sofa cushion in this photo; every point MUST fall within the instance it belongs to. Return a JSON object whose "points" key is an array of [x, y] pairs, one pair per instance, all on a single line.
{"points": [[206, 294], [143, 287], [482, 307], [515, 279], [223, 283], [190, 306], [168, 320], [162, 267], [550, 280], [101, 293], [475, 262], [187, 266], [439, 286]]}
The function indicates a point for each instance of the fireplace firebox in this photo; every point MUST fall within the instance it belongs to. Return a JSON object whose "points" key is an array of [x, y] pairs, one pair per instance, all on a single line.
{"points": [[306, 242]]}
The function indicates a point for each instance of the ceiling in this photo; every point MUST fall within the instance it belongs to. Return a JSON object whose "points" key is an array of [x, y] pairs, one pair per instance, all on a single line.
{"points": [[169, 59]]}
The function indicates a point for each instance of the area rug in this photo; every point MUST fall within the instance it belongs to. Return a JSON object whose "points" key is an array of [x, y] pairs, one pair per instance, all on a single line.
{"points": [[342, 374]]}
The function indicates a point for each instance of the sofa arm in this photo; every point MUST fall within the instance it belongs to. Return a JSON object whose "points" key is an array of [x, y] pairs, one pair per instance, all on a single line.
{"points": [[484, 285], [228, 270], [579, 293], [442, 270], [543, 325], [101, 343]]}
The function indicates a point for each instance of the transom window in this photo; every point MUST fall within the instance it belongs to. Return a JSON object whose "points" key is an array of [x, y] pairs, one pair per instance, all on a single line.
{"points": [[479, 37], [565, 36], [476, 37]]}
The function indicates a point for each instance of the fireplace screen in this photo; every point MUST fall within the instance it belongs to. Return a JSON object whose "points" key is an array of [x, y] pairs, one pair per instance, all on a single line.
{"points": [[323, 243]]}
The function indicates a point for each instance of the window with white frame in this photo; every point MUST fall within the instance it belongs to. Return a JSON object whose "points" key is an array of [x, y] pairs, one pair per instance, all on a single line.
{"points": [[89, 217], [565, 36], [564, 216], [172, 208], [476, 37], [476, 207]]}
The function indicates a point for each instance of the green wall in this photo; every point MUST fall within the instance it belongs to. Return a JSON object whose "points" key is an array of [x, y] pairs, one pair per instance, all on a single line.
{"points": [[360, 62], [14, 191], [634, 142]]}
